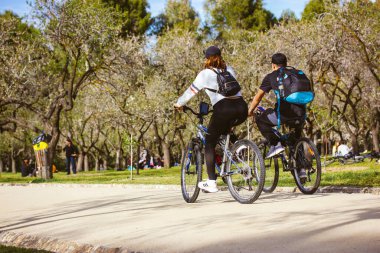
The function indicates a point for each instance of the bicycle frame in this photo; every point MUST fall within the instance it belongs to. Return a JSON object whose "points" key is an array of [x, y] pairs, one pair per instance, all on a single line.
{"points": [[201, 132]]}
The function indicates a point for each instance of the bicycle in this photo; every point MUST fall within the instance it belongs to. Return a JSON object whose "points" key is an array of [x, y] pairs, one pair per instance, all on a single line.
{"points": [[242, 165], [351, 158], [299, 154], [344, 159]]}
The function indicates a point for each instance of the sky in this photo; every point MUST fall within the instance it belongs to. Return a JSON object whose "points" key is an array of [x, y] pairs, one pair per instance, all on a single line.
{"points": [[157, 6]]}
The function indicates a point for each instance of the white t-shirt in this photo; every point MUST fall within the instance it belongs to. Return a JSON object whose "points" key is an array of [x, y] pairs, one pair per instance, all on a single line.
{"points": [[343, 150], [205, 79]]}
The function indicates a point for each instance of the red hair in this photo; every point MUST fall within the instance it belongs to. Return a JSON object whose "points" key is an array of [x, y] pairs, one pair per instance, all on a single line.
{"points": [[215, 61]]}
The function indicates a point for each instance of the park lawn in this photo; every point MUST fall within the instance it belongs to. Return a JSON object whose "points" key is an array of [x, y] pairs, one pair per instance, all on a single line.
{"points": [[162, 176], [365, 174], [9, 249]]}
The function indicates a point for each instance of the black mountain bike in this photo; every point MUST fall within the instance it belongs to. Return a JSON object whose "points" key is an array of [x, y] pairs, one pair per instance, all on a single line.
{"points": [[242, 166], [299, 154]]}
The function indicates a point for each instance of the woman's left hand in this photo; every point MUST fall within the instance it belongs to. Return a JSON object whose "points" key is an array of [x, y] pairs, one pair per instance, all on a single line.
{"points": [[178, 107]]}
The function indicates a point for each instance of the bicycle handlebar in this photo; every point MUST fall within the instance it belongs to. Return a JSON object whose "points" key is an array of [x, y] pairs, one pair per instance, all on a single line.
{"points": [[186, 108]]}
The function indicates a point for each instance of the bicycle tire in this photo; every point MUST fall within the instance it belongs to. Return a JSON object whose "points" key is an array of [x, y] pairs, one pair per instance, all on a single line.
{"points": [[270, 185], [302, 161], [239, 182], [191, 175], [272, 170]]}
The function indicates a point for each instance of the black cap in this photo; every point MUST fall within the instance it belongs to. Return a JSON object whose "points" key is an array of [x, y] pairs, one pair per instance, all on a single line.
{"points": [[279, 59], [213, 50]]}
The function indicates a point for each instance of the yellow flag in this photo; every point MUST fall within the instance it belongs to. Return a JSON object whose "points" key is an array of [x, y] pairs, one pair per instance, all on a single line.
{"points": [[40, 146]]}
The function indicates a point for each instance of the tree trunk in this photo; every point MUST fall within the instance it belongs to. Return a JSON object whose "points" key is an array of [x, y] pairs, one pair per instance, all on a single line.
{"points": [[355, 144], [80, 161], [105, 165], [7, 168], [315, 140], [323, 145], [45, 170], [166, 150], [117, 162], [309, 129], [1, 165], [124, 162], [138, 159], [86, 167], [13, 164], [96, 163], [55, 135], [375, 136], [366, 141]]}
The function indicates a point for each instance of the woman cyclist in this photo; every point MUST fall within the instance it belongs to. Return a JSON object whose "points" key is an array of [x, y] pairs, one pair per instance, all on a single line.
{"points": [[227, 111]]}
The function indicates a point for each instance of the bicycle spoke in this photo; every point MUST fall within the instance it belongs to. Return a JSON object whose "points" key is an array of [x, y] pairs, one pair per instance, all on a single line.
{"points": [[243, 169]]}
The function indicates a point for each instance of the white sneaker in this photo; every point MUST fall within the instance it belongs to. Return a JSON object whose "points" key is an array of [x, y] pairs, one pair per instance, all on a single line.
{"points": [[275, 150], [208, 186]]}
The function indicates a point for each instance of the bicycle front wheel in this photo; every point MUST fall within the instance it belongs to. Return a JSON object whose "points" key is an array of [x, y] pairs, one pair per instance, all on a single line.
{"points": [[245, 172], [307, 158], [191, 173]]}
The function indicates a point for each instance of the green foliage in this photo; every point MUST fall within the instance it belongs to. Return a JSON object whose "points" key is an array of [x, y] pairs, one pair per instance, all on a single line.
{"points": [[228, 15], [135, 17], [178, 14], [288, 16], [313, 8], [27, 30]]}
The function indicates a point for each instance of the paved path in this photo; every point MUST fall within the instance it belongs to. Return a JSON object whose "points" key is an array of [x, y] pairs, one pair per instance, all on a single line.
{"points": [[151, 220]]}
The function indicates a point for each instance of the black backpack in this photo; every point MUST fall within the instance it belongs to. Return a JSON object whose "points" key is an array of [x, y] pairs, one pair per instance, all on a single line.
{"points": [[292, 86], [296, 87], [228, 85]]}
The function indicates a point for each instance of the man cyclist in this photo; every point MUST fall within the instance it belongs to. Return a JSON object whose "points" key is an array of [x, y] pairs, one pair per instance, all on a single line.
{"points": [[227, 111], [291, 114]]}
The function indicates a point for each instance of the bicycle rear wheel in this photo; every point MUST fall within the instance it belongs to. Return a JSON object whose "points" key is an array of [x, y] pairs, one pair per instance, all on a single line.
{"points": [[245, 172], [191, 173], [306, 157], [271, 170]]}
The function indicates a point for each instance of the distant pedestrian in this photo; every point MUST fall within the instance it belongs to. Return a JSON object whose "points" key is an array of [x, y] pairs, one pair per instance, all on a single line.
{"points": [[159, 163], [71, 153], [26, 169], [144, 159], [344, 150], [335, 148]]}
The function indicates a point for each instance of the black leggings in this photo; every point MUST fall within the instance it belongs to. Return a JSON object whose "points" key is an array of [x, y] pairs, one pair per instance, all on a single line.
{"points": [[227, 113]]}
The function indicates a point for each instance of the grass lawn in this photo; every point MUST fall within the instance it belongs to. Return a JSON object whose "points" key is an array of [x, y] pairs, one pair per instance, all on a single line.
{"points": [[365, 174], [161, 176], [9, 249]]}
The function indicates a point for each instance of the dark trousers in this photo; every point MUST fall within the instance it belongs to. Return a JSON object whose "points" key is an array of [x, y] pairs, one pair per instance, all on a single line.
{"points": [[227, 113], [70, 160], [268, 119]]}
